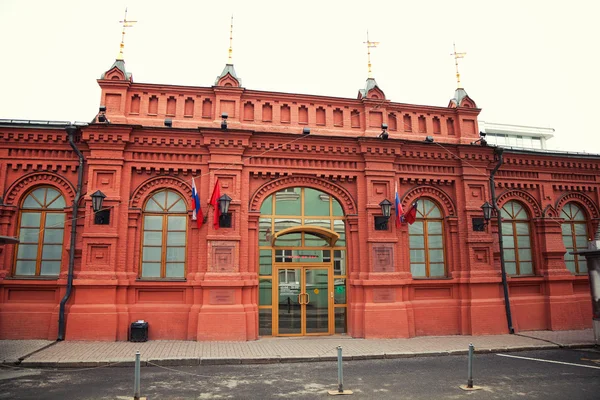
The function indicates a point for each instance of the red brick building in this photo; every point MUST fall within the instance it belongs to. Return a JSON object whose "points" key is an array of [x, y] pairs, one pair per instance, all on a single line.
{"points": [[301, 254]]}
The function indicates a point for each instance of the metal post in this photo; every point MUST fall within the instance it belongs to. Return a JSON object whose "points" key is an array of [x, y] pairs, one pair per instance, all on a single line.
{"points": [[470, 367], [340, 370], [136, 384]]}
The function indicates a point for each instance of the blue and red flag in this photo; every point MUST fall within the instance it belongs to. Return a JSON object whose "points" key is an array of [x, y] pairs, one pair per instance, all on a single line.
{"points": [[399, 211], [197, 214]]}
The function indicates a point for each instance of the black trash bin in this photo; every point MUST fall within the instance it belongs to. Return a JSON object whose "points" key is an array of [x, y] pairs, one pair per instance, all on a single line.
{"points": [[138, 331]]}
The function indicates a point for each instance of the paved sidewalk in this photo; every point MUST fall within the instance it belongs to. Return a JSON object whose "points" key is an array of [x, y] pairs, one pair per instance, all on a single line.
{"points": [[78, 354]]}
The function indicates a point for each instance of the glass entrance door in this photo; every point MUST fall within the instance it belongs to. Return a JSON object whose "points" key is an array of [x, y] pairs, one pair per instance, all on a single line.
{"points": [[304, 301]]}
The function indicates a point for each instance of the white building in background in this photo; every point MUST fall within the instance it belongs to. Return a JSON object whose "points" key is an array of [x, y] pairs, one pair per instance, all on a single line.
{"points": [[518, 136]]}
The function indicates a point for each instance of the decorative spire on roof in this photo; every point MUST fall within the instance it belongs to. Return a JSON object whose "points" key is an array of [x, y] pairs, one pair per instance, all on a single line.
{"points": [[456, 57], [125, 24], [228, 76], [369, 46]]}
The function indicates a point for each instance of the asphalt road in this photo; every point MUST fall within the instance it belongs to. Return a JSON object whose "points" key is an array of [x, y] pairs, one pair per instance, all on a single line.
{"points": [[573, 374]]}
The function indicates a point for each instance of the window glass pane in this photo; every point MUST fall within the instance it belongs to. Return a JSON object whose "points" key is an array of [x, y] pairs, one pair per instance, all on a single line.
{"points": [[417, 270], [434, 227], [315, 241], [522, 228], [417, 256], [526, 268], [287, 202], [53, 236], [27, 251], [281, 224], [174, 202], [265, 263], [505, 213], [150, 270], [175, 270], [175, 238], [416, 228], [289, 240], [340, 320], [160, 199], [25, 268], [436, 256], [264, 232], [177, 223], [55, 220], [265, 322], [581, 241], [580, 229], [315, 202], [29, 235], [339, 262], [416, 241], [507, 228], [433, 210], [267, 206], [176, 254], [523, 241], [511, 268], [30, 219], [337, 208], [570, 266], [509, 255], [435, 241], [583, 266], [524, 255], [340, 227], [54, 200], [152, 254], [566, 229], [153, 238], [153, 222], [265, 292], [31, 202], [321, 223], [339, 291], [51, 252], [508, 242], [153, 206], [436, 269], [50, 268]]}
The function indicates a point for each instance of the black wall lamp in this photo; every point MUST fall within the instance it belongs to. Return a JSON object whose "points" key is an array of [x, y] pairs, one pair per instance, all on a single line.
{"points": [[225, 218], [384, 133], [101, 217], [479, 223], [102, 115], [381, 221], [224, 117], [429, 139], [306, 131], [168, 122]]}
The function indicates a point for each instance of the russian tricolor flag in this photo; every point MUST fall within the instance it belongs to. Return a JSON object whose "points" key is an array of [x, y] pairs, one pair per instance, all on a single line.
{"points": [[197, 214], [399, 211]]}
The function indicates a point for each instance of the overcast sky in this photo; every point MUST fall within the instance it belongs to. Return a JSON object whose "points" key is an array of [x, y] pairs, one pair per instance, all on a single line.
{"points": [[528, 62]]}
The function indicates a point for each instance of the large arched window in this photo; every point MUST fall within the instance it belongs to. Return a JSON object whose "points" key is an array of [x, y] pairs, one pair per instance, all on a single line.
{"points": [[41, 231], [426, 242], [575, 237], [164, 236], [516, 239]]}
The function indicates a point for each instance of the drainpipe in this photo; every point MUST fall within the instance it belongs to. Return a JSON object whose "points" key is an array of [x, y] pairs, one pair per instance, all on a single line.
{"points": [[71, 131], [498, 151]]}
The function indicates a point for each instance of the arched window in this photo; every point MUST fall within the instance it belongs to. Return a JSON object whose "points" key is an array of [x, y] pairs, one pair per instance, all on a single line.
{"points": [[516, 239], [41, 231], [164, 236], [575, 237], [426, 241]]}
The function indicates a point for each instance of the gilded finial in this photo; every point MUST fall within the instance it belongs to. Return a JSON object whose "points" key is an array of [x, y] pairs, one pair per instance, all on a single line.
{"points": [[124, 24], [369, 46], [456, 57], [230, 60]]}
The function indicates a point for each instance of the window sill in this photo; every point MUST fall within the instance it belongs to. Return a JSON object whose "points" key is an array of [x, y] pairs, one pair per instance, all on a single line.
{"points": [[432, 278], [161, 280], [31, 278]]}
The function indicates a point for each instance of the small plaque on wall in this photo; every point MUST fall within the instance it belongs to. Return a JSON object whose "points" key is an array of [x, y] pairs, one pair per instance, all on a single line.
{"points": [[384, 295], [223, 256], [383, 258], [222, 296]]}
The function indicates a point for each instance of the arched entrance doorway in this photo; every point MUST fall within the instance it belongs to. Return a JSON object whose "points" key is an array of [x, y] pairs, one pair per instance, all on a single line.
{"points": [[302, 267]]}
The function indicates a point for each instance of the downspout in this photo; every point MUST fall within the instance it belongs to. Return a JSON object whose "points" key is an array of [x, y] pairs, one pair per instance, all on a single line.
{"points": [[498, 151], [71, 131]]}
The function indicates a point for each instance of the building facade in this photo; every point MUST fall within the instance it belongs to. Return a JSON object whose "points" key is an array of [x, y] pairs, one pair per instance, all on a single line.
{"points": [[303, 248]]}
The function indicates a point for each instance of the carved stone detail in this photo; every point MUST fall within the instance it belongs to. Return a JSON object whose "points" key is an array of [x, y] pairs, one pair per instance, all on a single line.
{"points": [[523, 196], [433, 192], [160, 182], [36, 178], [580, 199]]}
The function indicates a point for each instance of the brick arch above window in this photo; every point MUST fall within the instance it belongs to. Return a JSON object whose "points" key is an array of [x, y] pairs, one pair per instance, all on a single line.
{"points": [[147, 188], [339, 193], [531, 203], [582, 200], [25, 183], [437, 195]]}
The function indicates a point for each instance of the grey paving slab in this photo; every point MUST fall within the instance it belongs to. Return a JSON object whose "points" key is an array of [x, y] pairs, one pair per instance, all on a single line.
{"points": [[274, 350]]}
